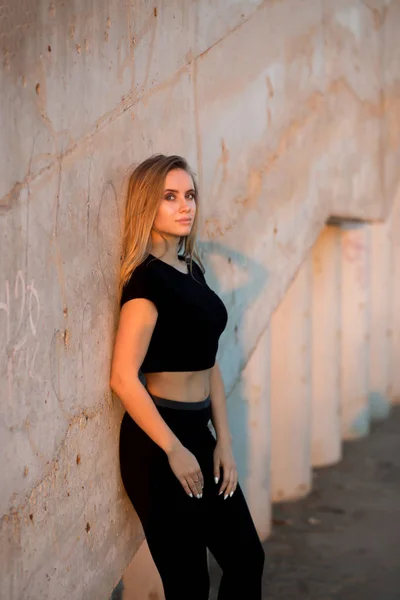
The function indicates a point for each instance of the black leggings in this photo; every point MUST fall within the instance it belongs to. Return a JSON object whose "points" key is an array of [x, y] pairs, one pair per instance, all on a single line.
{"points": [[178, 528]]}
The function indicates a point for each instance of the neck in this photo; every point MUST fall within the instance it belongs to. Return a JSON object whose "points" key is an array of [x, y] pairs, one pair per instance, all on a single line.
{"points": [[169, 255]]}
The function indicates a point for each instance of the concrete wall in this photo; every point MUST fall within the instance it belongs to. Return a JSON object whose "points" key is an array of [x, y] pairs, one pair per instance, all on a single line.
{"points": [[289, 113]]}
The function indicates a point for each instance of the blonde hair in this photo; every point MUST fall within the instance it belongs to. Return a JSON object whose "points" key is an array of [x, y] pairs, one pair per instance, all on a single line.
{"points": [[144, 194]]}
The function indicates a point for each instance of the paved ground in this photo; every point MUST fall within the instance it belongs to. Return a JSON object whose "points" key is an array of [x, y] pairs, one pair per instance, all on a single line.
{"points": [[342, 542]]}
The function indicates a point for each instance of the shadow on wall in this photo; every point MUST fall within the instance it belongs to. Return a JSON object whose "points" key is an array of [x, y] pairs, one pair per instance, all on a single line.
{"points": [[118, 591], [238, 300], [379, 405]]}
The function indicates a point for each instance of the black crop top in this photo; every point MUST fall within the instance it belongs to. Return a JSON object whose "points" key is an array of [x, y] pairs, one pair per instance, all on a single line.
{"points": [[191, 316]]}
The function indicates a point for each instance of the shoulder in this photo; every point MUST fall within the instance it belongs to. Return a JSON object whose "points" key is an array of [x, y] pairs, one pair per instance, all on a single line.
{"points": [[141, 273], [140, 284]]}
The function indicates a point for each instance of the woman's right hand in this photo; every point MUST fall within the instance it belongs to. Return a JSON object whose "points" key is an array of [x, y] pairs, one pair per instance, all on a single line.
{"points": [[186, 468]]}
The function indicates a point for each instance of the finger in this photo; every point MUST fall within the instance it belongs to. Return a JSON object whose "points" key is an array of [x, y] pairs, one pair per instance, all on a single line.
{"points": [[192, 486], [235, 484], [195, 485], [186, 487], [224, 483], [217, 471], [229, 487], [201, 479]]}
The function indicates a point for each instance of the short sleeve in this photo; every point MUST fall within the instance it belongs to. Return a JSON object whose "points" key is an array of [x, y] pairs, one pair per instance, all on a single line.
{"points": [[139, 285]]}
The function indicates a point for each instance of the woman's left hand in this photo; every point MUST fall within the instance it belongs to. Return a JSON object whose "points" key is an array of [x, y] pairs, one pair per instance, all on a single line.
{"points": [[223, 457]]}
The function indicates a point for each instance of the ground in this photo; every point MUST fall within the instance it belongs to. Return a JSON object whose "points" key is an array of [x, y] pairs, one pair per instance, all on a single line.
{"points": [[342, 542]]}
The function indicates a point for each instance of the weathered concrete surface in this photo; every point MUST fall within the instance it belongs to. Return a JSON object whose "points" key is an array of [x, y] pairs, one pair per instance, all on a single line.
{"points": [[351, 549], [71, 68], [326, 442], [280, 111], [291, 389], [354, 329], [380, 300], [394, 313]]}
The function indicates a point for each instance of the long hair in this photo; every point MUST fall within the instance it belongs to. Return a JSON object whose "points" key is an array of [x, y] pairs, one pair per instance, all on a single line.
{"points": [[144, 194]]}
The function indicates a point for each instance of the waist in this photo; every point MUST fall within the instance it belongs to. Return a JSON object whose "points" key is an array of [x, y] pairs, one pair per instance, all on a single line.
{"points": [[191, 386], [187, 419], [184, 418], [180, 405]]}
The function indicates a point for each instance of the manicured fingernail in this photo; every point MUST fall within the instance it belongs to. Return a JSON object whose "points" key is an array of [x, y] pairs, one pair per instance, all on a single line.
{"points": [[216, 479], [191, 495], [231, 494], [225, 497], [220, 493], [199, 495]]}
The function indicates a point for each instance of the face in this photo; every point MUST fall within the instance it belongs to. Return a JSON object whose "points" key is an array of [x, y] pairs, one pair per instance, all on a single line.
{"points": [[178, 203]]}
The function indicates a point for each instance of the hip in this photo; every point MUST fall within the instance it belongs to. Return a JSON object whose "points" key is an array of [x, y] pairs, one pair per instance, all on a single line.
{"points": [[188, 420]]}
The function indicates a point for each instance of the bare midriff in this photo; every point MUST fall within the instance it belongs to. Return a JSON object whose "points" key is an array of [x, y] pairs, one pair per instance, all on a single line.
{"points": [[190, 386]]}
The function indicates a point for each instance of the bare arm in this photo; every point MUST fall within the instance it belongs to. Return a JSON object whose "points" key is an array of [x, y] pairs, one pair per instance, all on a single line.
{"points": [[136, 325], [137, 321], [223, 453], [218, 405]]}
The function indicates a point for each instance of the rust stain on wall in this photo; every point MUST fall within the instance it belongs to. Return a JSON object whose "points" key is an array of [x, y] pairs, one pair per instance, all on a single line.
{"points": [[316, 106], [391, 112], [302, 46], [377, 16], [270, 87]]}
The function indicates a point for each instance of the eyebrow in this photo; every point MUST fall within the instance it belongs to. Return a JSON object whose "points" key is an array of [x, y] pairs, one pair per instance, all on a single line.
{"points": [[177, 191]]}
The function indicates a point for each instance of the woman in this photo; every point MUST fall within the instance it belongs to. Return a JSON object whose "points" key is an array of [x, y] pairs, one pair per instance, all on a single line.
{"points": [[181, 481]]}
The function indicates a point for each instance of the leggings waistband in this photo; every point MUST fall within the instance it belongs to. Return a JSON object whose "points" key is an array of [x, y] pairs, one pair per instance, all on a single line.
{"points": [[178, 405]]}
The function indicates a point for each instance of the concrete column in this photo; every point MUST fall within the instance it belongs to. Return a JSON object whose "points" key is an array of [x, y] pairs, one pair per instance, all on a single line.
{"points": [[394, 291], [249, 422], [256, 386], [326, 441], [379, 321], [354, 330], [291, 391]]}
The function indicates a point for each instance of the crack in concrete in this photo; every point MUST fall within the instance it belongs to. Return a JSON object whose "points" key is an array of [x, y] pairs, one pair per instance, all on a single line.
{"points": [[129, 100]]}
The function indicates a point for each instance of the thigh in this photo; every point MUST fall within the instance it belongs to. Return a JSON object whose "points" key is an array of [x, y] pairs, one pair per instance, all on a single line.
{"points": [[177, 544], [231, 535], [173, 522]]}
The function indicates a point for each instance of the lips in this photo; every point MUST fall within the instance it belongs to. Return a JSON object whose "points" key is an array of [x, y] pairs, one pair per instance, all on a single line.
{"points": [[184, 221]]}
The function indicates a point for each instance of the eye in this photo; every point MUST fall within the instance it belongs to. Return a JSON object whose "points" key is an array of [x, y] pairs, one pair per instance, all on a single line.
{"points": [[192, 196]]}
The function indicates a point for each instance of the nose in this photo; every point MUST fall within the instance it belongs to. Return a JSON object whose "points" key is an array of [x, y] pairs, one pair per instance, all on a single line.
{"points": [[184, 205]]}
